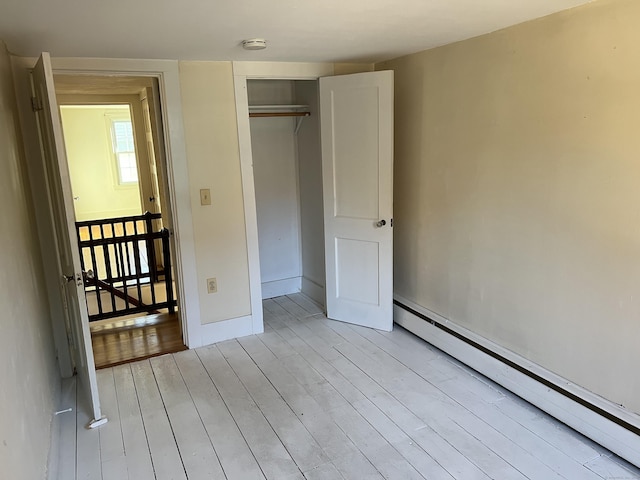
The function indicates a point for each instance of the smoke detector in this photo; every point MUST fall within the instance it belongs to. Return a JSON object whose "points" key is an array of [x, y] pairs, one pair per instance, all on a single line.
{"points": [[254, 44]]}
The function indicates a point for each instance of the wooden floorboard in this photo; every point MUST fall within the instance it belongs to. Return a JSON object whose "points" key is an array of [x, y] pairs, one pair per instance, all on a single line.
{"points": [[300, 444], [134, 436], [272, 456], [88, 456], [316, 399], [487, 401], [197, 452], [116, 342], [112, 454], [165, 455], [236, 458]]}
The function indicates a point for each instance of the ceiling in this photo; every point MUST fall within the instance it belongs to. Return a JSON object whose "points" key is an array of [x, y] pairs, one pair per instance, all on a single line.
{"points": [[296, 30]]}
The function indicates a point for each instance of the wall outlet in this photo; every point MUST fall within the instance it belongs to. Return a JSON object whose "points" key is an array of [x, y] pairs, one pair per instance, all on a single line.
{"points": [[205, 196], [212, 285]]}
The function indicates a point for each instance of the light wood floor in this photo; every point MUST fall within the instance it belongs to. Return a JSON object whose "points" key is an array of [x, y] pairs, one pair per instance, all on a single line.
{"points": [[316, 399]]}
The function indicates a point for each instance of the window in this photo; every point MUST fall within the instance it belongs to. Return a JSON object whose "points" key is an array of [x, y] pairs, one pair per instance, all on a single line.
{"points": [[125, 151]]}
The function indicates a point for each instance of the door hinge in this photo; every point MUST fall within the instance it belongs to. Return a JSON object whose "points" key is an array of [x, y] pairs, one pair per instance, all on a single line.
{"points": [[36, 104]]}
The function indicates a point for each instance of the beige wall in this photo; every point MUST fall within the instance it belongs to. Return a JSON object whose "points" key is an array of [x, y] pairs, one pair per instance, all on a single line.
{"points": [[517, 207], [92, 166], [211, 137], [29, 378]]}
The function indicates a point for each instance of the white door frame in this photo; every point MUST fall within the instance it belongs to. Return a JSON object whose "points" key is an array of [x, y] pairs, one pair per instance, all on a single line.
{"points": [[167, 73], [243, 71]]}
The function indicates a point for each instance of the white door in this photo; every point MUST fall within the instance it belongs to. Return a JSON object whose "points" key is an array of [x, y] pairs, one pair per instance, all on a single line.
{"points": [[356, 113], [66, 250]]}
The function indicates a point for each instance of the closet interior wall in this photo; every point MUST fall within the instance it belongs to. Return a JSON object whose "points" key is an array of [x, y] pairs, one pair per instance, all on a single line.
{"points": [[287, 171]]}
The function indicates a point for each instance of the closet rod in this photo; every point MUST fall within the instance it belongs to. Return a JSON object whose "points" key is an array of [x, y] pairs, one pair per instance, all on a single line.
{"points": [[279, 114]]}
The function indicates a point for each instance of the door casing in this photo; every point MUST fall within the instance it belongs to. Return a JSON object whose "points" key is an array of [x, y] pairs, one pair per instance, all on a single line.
{"points": [[167, 74], [243, 71]]}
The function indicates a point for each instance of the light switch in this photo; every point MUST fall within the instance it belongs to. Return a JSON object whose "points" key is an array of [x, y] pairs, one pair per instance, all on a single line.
{"points": [[205, 196]]}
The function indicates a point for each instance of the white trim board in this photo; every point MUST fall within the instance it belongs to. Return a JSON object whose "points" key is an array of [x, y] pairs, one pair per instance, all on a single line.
{"points": [[313, 290], [282, 70], [227, 329], [249, 200], [278, 288], [602, 430]]}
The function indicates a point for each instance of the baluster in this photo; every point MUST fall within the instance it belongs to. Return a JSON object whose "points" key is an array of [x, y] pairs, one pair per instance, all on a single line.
{"points": [[167, 269], [136, 256], [94, 264], [151, 252], [109, 272], [122, 243], [152, 283]]}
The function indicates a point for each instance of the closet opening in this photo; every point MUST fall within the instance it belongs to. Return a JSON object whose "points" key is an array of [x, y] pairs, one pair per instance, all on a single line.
{"points": [[287, 170]]}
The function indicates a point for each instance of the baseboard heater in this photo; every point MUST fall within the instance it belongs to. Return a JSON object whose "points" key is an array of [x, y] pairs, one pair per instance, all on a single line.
{"points": [[604, 422]]}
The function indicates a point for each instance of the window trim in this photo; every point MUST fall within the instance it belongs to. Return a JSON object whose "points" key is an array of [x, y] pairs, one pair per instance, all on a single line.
{"points": [[111, 117]]}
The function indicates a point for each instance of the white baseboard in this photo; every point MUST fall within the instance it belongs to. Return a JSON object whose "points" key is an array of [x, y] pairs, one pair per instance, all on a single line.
{"points": [[544, 389], [277, 288], [226, 330], [313, 290]]}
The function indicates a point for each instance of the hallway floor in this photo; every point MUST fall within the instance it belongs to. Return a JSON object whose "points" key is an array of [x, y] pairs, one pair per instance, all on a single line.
{"points": [[316, 399], [117, 341]]}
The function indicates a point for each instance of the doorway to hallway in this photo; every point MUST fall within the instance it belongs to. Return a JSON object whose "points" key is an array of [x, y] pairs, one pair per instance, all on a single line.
{"points": [[115, 154]]}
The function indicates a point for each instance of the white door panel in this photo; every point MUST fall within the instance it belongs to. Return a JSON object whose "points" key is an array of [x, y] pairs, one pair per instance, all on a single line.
{"points": [[357, 163], [355, 149], [357, 264], [61, 202]]}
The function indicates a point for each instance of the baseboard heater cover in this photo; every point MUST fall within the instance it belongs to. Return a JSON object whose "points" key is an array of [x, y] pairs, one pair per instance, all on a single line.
{"points": [[601, 420]]}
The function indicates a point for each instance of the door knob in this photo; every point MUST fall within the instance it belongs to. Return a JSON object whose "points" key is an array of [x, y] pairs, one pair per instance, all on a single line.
{"points": [[69, 278], [381, 223]]}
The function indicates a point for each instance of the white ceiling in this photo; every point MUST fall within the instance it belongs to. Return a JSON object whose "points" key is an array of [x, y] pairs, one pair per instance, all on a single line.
{"points": [[296, 30]]}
